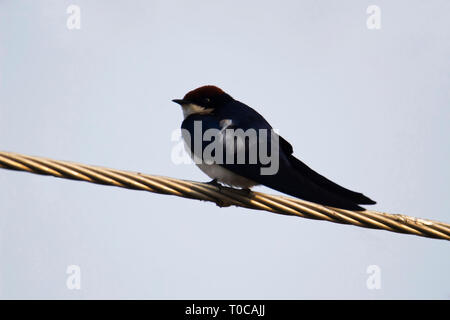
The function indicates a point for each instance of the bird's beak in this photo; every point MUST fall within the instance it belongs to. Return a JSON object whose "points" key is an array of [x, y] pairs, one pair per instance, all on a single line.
{"points": [[180, 101]]}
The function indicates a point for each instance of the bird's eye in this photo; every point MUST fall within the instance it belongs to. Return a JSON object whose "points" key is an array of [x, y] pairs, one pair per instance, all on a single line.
{"points": [[206, 100]]}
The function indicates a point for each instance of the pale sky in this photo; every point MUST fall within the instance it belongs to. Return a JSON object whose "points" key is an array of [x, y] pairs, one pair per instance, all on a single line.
{"points": [[369, 109]]}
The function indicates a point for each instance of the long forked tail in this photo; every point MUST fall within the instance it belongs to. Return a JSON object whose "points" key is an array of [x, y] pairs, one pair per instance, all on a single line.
{"points": [[317, 188]]}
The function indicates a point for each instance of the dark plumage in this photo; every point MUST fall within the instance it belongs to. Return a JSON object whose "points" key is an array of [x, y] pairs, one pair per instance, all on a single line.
{"points": [[293, 177]]}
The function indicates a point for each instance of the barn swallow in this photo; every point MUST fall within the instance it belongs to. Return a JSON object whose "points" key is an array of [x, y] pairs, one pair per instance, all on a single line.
{"points": [[212, 108]]}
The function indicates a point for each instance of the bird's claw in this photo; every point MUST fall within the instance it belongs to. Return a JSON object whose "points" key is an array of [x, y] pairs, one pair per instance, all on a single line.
{"points": [[214, 183]]}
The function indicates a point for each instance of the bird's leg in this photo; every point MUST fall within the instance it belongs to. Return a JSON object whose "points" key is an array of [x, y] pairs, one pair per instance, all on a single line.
{"points": [[247, 191], [214, 183], [219, 202]]}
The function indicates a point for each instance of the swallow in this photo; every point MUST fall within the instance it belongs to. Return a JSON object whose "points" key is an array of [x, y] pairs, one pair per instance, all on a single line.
{"points": [[213, 108]]}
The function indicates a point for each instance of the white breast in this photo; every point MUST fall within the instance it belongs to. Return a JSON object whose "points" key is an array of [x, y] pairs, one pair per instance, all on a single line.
{"points": [[215, 171]]}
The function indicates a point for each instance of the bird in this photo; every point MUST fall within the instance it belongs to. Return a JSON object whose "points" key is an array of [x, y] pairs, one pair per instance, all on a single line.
{"points": [[211, 108]]}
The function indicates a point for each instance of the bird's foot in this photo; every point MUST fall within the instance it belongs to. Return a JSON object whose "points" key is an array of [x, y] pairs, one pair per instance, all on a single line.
{"points": [[214, 183], [247, 191], [219, 202]]}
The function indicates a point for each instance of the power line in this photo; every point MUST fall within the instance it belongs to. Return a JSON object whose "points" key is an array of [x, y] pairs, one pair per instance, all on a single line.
{"points": [[224, 196]]}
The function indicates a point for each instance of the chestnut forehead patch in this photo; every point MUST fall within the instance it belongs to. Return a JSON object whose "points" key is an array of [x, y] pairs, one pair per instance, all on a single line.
{"points": [[203, 92]]}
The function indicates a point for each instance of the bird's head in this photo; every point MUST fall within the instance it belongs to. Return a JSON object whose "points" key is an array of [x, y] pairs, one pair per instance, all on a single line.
{"points": [[203, 100]]}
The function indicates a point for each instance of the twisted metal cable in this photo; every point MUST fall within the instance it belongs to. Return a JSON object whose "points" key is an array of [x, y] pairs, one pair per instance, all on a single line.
{"points": [[224, 196]]}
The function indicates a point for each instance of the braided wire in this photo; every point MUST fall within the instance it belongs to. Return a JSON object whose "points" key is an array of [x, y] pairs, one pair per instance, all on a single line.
{"points": [[224, 196]]}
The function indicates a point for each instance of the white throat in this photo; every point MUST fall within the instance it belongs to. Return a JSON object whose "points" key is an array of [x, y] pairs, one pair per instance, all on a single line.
{"points": [[192, 108]]}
